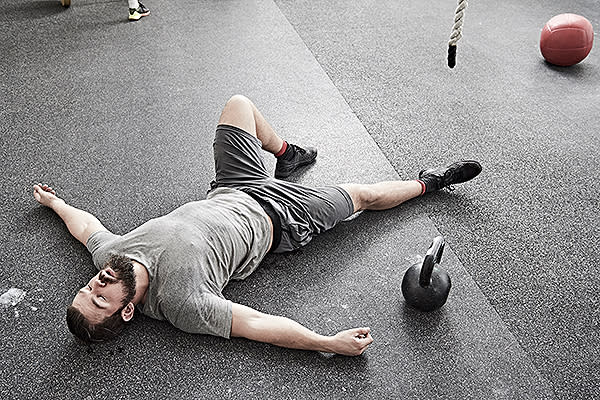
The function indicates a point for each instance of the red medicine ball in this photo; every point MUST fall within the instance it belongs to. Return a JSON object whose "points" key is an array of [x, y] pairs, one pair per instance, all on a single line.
{"points": [[566, 39]]}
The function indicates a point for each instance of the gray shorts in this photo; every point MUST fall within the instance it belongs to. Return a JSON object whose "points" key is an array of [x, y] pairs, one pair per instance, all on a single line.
{"points": [[303, 211]]}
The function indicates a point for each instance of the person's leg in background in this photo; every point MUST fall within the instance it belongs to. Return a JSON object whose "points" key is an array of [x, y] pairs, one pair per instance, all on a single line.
{"points": [[137, 10]]}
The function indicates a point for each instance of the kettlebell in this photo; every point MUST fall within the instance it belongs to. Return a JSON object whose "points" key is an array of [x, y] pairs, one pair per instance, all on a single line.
{"points": [[426, 286]]}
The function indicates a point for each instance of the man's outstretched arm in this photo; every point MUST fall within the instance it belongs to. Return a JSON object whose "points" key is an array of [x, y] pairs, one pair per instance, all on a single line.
{"points": [[80, 223], [280, 331]]}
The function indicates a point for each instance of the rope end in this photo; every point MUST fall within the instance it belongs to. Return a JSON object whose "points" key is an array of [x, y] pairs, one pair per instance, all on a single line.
{"points": [[451, 56]]}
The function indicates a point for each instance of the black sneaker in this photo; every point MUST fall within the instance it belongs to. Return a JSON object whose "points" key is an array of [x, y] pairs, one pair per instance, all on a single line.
{"points": [[458, 172], [299, 158], [137, 13]]}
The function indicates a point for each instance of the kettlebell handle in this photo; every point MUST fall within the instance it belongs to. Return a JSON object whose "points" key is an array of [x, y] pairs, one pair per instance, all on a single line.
{"points": [[432, 257]]}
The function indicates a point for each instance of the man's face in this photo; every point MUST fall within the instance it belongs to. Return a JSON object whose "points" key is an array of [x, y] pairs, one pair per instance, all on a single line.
{"points": [[105, 294]]}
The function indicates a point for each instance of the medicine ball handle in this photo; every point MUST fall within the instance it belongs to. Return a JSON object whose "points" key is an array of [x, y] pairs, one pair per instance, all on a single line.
{"points": [[432, 257]]}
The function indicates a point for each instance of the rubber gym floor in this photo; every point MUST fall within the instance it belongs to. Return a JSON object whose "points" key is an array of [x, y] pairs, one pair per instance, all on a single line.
{"points": [[119, 117]]}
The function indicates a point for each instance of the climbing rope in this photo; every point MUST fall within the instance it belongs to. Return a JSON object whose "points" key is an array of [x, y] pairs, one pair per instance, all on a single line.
{"points": [[459, 17]]}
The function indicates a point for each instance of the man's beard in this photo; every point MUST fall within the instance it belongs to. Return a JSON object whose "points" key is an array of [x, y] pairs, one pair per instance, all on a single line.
{"points": [[126, 275]]}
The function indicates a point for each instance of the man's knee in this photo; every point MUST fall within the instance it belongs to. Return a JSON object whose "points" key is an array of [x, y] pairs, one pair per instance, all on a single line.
{"points": [[238, 100], [238, 112], [368, 196], [362, 195]]}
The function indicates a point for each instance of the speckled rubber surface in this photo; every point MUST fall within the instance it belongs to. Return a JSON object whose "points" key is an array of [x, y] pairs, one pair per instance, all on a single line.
{"points": [[120, 118], [527, 231]]}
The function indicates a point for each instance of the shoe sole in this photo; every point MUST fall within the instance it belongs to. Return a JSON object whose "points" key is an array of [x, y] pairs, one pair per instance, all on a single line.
{"points": [[137, 18]]}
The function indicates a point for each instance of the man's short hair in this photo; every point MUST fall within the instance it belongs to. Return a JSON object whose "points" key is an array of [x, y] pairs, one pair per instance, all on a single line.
{"points": [[93, 333], [110, 327]]}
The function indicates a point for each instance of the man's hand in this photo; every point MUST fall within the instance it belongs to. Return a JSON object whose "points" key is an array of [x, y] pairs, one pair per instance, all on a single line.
{"points": [[280, 331], [80, 223], [352, 342], [44, 194]]}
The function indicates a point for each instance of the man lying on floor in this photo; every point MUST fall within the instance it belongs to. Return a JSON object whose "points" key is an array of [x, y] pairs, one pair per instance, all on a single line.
{"points": [[175, 267]]}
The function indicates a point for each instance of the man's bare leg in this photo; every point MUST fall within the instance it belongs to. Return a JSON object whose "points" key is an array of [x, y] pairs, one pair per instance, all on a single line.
{"points": [[382, 195], [240, 112], [389, 194]]}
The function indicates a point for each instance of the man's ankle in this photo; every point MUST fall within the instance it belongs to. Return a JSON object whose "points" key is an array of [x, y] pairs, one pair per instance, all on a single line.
{"points": [[287, 151], [423, 186], [282, 150]]}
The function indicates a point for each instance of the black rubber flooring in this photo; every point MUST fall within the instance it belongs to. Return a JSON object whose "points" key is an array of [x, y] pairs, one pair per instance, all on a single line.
{"points": [[120, 117], [531, 242]]}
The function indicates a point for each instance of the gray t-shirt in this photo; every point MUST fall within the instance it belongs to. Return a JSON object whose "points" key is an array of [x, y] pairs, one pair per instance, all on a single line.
{"points": [[191, 254]]}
